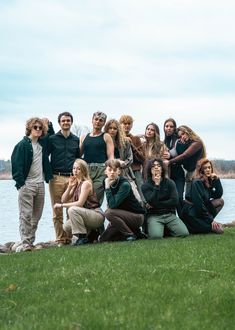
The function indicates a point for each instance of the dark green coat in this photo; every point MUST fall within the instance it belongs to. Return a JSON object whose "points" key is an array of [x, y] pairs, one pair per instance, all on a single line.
{"points": [[120, 196], [21, 161]]}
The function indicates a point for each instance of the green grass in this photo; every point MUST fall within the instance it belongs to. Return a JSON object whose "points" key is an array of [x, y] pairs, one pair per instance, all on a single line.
{"points": [[168, 284]]}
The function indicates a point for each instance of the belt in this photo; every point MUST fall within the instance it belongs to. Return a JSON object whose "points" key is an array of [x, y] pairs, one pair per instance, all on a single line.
{"points": [[62, 173]]}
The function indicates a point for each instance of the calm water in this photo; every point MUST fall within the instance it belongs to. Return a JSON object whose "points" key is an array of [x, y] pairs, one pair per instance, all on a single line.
{"points": [[9, 212]]}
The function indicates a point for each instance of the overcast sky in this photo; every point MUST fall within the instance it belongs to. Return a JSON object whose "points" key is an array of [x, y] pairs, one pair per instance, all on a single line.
{"points": [[150, 59]]}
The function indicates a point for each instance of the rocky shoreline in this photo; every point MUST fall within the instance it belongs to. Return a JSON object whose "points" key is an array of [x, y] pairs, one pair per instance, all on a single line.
{"points": [[11, 247]]}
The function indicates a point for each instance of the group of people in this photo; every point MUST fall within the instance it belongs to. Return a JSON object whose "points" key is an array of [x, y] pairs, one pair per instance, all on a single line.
{"points": [[153, 188]]}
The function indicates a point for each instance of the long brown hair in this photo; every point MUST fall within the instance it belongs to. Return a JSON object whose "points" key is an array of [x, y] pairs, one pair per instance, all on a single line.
{"points": [[120, 138], [156, 147]]}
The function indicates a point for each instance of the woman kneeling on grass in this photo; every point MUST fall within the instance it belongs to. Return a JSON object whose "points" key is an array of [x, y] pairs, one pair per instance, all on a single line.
{"points": [[124, 213], [84, 211], [162, 198], [205, 201]]}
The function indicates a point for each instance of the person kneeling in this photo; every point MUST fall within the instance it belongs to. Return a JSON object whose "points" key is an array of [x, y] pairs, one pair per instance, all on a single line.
{"points": [[162, 198], [84, 211], [124, 213], [205, 202]]}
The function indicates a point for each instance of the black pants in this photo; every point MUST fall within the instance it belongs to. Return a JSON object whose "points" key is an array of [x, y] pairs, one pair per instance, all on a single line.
{"points": [[121, 224]]}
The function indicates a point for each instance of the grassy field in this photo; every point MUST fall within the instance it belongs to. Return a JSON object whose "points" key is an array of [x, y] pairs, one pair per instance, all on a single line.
{"points": [[168, 284]]}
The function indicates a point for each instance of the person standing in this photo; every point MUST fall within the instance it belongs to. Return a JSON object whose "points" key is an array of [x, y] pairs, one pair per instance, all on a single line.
{"points": [[63, 148], [153, 147], [189, 148], [96, 148], [126, 122], [176, 171], [30, 167]]}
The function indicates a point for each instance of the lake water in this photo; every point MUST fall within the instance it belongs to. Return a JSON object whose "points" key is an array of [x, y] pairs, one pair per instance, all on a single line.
{"points": [[9, 224]]}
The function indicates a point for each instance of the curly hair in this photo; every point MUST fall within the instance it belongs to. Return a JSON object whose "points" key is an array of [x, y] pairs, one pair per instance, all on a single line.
{"points": [[120, 138], [150, 165], [31, 122]]}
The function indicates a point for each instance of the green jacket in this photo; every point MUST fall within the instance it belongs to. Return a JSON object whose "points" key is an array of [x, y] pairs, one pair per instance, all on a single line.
{"points": [[21, 161]]}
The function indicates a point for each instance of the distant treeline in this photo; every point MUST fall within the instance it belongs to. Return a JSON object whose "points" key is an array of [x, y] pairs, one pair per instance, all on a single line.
{"points": [[224, 168]]}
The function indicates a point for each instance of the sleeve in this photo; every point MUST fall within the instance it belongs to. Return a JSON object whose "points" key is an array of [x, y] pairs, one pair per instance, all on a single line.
{"points": [[115, 199], [173, 197], [127, 155], [151, 194], [78, 154], [137, 148], [217, 189], [153, 197], [189, 152], [17, 164], [198, 201]]}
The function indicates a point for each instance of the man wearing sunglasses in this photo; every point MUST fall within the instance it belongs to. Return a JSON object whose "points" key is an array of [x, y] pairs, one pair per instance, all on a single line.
{"points": [[63, 148], [30, 168]]}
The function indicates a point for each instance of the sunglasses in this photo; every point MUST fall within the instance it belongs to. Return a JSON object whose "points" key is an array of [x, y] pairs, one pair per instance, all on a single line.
{"points": [[37, 128]]}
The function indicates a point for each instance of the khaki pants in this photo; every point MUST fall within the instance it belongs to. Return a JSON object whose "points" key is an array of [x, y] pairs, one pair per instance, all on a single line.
{"points": [[31, 201], [57, 187], [82, 220]]}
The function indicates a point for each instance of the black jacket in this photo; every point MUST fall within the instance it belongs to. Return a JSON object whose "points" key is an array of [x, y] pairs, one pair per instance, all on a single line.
{"points": [[163, 198]]}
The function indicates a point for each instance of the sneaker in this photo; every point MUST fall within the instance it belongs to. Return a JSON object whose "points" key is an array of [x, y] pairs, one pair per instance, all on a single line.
{"points": [[24, 248], [141, 235], [131, 238], [81, 241], [60, 244]]}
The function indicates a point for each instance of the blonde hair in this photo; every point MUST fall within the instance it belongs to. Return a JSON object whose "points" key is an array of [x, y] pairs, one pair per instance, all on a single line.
{"points": [[120, 138], [126, 119], [192, 136], [84, 169]]}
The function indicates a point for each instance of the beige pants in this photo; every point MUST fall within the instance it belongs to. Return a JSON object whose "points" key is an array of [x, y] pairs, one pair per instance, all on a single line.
{"points": [[82, 220], [57, 187], [31, 202]]}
